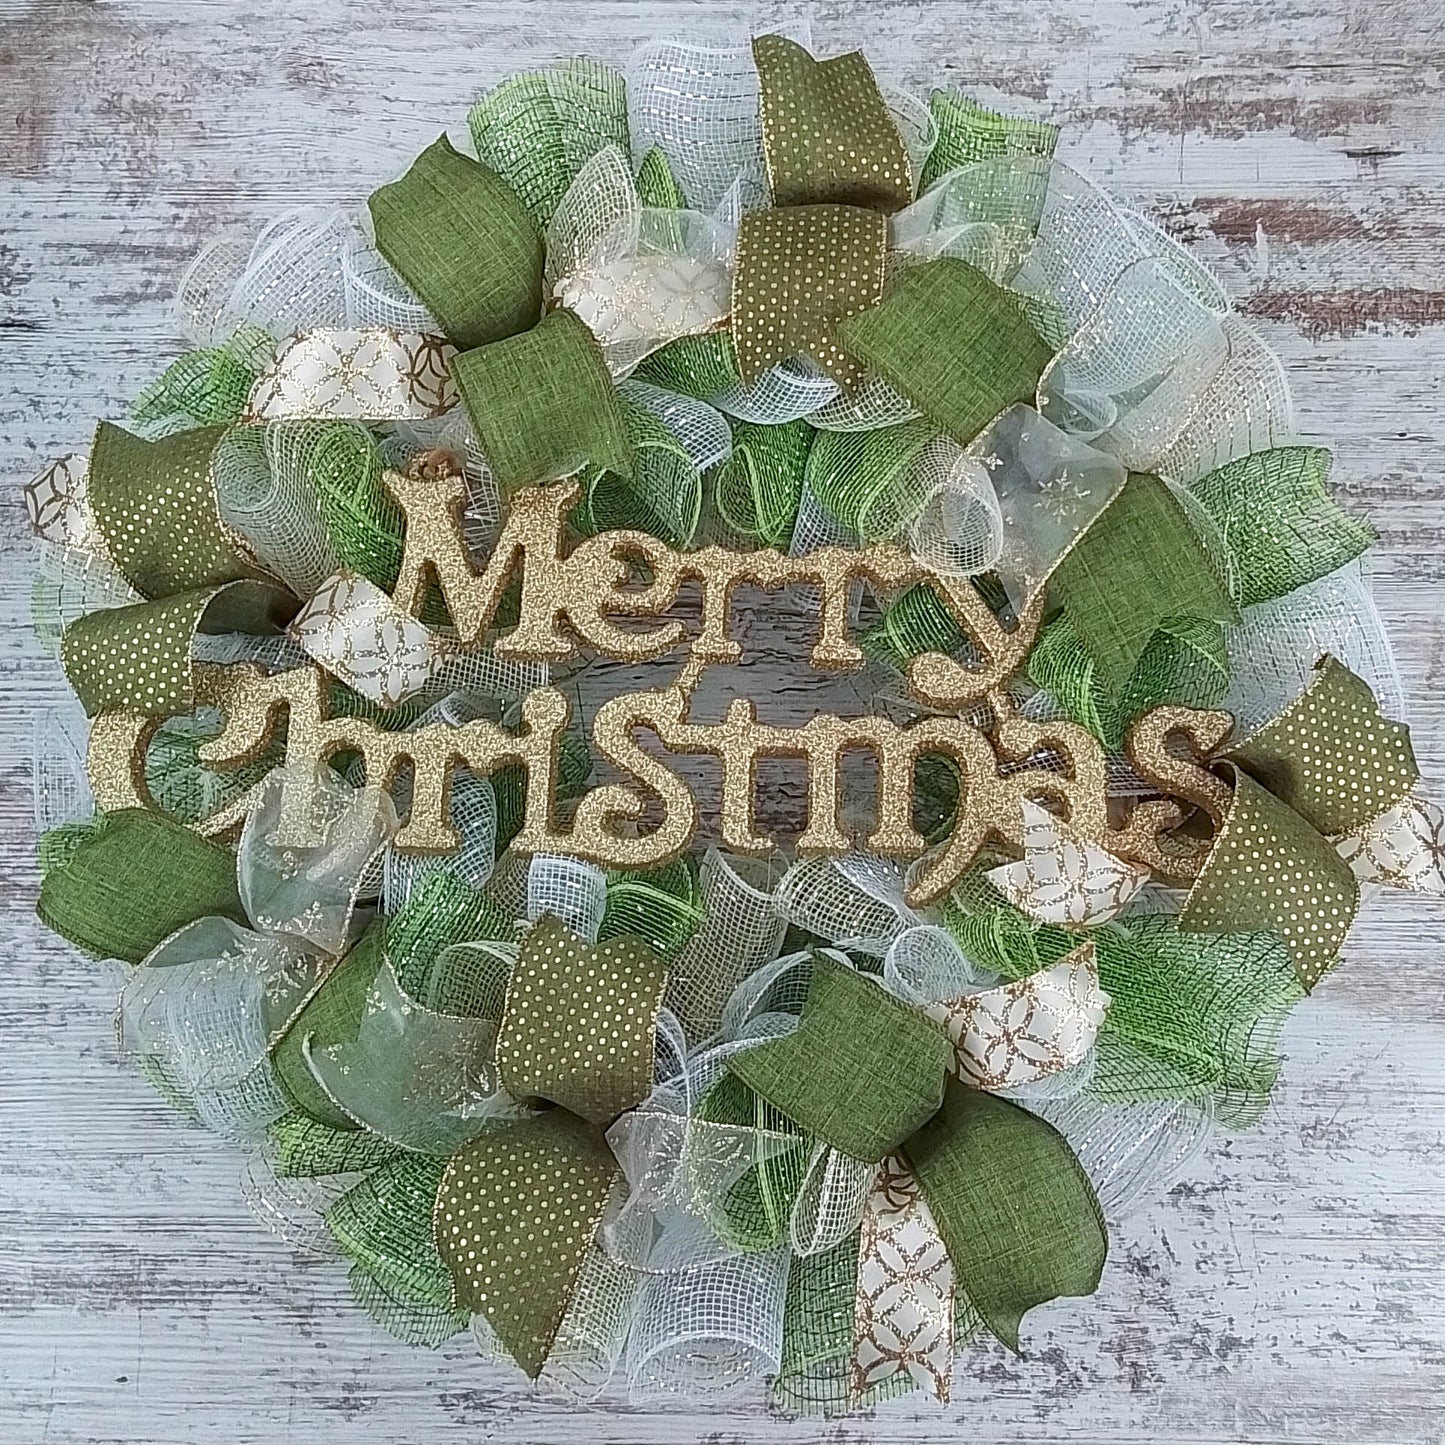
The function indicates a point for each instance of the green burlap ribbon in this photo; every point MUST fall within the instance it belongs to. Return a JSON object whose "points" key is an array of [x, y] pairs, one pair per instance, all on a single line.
{"points": [[827, 133], [518, 1207], [960, 348], [155, 507], [1328, 765], [1139, 564], [543, 404], [801, 272], [871, 1077], [463, 241], [132, 881]]}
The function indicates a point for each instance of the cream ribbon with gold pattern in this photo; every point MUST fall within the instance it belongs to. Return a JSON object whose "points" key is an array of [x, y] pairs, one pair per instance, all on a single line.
{"points": [[1402, 848]]}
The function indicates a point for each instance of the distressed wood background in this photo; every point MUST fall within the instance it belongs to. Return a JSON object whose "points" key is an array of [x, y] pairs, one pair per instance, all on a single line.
{"points": [[1288, 1288]]}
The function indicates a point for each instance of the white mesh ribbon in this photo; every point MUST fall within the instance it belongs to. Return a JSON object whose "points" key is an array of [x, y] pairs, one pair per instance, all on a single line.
{"points": [[264, 491], [855, 900], [377, 296], [360, 635], [355, 374], [472, 809], [310, 894], [904, 1303], [1064, 880], [60, 784], [1403, 848], [790, 391], [418, 1078], [959, 531], [568, 889], [700, 429], [293, 1208], [1049, 486], [830, 1201], [1020, 1032]]}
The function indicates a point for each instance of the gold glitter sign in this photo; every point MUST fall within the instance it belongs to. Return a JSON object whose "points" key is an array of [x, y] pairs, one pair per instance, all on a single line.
{"points": [[570, 600]]}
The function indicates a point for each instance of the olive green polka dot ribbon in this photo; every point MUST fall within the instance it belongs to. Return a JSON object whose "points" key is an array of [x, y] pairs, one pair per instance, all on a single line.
{"points": [[1328, 766], [519, 1206]]}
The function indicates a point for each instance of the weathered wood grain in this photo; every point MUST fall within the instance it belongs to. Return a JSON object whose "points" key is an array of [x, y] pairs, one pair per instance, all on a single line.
{"points": [[1289, 1287]]}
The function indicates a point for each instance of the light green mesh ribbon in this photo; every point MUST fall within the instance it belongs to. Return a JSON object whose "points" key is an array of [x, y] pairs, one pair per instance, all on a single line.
{"points": [[1184, 662], [1140, 563], [1282, 527], [662, 905], [958, 347], [866, 479], [827, 133], [155, 506], [543, 405], [462, 240], [134, 879], [538, 129], [969, 133], [363, 519], [657, 187], [442, 911], [1191, 1017], [663, 494], [186, 789], [758, 488], [205, 387]]}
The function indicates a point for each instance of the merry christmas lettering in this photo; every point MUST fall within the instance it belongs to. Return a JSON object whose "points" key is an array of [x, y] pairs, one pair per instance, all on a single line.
{"points": [[577, 599]]}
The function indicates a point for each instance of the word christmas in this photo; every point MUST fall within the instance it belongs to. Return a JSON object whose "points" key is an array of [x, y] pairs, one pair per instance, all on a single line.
{"points": [[579, 599]]}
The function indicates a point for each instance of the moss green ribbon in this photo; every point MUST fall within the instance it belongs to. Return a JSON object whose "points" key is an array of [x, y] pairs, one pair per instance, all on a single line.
{"points": [[464, 242], [870, 1076], [518, 1206], [827, 133]]}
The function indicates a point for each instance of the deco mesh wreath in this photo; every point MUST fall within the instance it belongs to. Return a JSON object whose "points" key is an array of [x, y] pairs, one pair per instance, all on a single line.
{"points": [[533, 1062]]}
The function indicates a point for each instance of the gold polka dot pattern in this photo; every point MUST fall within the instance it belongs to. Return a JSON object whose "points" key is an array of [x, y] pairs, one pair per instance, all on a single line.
{"points": [[1270, 870], [1331, 754], [581, 1021], [155, 505], [515, 1216], [801, 272], [827, 133]]}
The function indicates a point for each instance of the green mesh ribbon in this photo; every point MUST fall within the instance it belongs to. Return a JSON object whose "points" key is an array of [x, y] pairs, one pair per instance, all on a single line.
{"points": [[916, 621], [969, 133], [755, 1211], [543, 405], [305, 1148], [1012, 1204], [384, 1225], [663, 494], [509, 786], [818, 1313], [1190, 1018], [801, 272], [138, 657], [463, 241], [758, 488], [866, 480], [862, 1070], [332, 1015], [1140, 563], [698, 366], [1185, 662], [1331, 755], [204, 388], [827, 133], [361, 516], [440, 912], [155, 506], [662, 906], [132, 881], [657, 187], [539, 128], [188, 790], [1282, 527], [958, 347]]}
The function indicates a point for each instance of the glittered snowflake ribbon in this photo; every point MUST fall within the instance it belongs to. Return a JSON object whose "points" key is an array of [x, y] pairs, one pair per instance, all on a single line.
{"points": [[519, 1205], [874, 1078], [1331, 766]]}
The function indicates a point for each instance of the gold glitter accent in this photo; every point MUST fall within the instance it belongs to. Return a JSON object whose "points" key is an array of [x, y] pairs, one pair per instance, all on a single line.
{"points": [[1331, 754], [827, 133], [800, 273], [580, 1023], [515, 1216], [371, 374], [904, 1300], [1270, 870]]}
